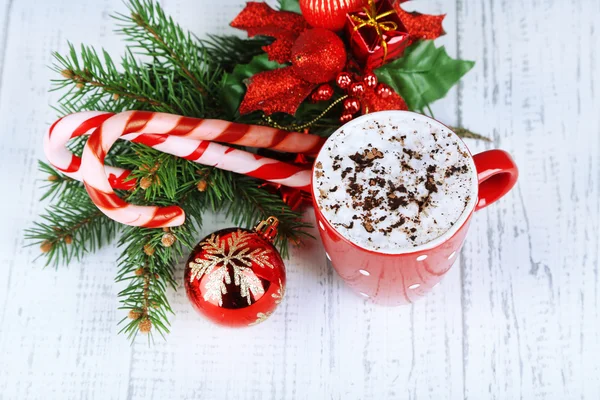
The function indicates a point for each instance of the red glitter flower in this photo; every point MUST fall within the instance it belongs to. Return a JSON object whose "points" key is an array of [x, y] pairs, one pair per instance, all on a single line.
{"points": [[284, 26], [317, 56]]}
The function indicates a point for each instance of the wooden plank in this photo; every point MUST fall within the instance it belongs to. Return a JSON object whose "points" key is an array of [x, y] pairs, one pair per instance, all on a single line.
{"points": [[530, 267], [516, 317], [57, 328]]}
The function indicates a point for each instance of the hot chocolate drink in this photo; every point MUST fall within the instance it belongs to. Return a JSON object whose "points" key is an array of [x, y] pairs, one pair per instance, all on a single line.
{"points": [[390, 182]]}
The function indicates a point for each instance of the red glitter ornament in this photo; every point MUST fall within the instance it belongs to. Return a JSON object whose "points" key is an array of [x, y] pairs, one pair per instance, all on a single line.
{"points": [[318, 55], [370, 79], [329, 14], [345, 118], [344, 80], [323, 93], [357, 89], [235, 277], [384, 91], [351, 105]]}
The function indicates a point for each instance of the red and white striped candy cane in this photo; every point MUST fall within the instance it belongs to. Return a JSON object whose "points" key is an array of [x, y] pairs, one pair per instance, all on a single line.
{"points": [[83, 123], [129, 126], [72, 126]]}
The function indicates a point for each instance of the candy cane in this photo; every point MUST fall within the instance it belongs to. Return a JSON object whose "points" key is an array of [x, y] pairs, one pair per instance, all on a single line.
{"points": [[129, 126], [70, 127], [83, 123]]}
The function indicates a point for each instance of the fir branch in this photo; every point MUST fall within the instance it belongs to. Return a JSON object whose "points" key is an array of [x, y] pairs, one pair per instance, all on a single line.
{"points": [[158, 36], [229, 51], [57, 185], [71, 228], [251, 203], [181, 68], [91, 79], [162, 178], [147, 266]]}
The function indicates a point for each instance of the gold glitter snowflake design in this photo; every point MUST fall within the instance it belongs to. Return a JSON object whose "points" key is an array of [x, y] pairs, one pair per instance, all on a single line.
{"points": [[260, 317], [235, 252], [278, 296]]}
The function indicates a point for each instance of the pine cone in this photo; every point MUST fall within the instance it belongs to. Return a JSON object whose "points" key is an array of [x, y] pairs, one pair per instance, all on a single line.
{"points": [[202, 185], [148, 249], [168, 239], [145, 182], [46, 246], [145, 326]]}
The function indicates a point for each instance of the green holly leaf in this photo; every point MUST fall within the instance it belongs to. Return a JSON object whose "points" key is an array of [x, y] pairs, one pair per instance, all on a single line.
{"points": [[423, 74], [290, 5], [235, 87]]}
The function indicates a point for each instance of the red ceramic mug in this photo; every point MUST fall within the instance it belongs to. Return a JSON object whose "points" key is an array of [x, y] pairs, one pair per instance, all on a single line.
{"points": [[403, 276]]}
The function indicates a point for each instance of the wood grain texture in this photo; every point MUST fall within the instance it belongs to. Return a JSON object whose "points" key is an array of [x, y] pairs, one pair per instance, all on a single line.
{"points": [[517, 317]]}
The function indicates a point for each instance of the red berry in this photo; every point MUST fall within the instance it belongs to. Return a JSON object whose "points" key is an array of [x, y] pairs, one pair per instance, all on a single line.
{"points": [[351, 105], [370, 80], [357, 89], [343, 80], [345, 118], [383, 91], [323, 93]]}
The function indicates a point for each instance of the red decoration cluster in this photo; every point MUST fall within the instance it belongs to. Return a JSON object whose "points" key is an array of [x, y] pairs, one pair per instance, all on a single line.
{"points": [[367, 95], [318, 55]]}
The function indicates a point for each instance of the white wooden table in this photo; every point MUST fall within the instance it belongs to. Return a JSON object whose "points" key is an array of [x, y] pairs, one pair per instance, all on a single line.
{"points": [[518, 317]]}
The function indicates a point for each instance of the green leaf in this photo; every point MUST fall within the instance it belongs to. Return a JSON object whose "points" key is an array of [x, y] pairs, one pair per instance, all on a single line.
{"points": [[290, 5], [424, 74], [235, 88]]}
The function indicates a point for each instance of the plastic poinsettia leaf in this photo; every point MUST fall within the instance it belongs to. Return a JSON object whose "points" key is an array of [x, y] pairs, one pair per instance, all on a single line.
{"points": [[284, 26], [280, 50], [424, 74], [235, 88], [290, 5], [421, 26], [280, 90]]}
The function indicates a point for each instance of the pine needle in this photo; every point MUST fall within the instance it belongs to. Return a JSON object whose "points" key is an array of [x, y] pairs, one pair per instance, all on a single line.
{"points": [[185, 76]]}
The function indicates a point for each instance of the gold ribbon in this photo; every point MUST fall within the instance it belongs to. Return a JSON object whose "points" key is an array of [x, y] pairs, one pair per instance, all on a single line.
{"points": [[380, 27]]}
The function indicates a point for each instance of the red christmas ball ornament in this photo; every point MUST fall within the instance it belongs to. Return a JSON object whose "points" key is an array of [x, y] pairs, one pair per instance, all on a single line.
{"points": [[235, 277], [323, 93], [351, 105], [343, 80], [370, 80], [318, 55], [358, 88], [345, 118], [383, 91], [329, 14]]}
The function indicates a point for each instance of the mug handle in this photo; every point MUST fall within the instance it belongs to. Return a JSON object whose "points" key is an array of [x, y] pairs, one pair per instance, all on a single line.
{"points": [[497, 173]]}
